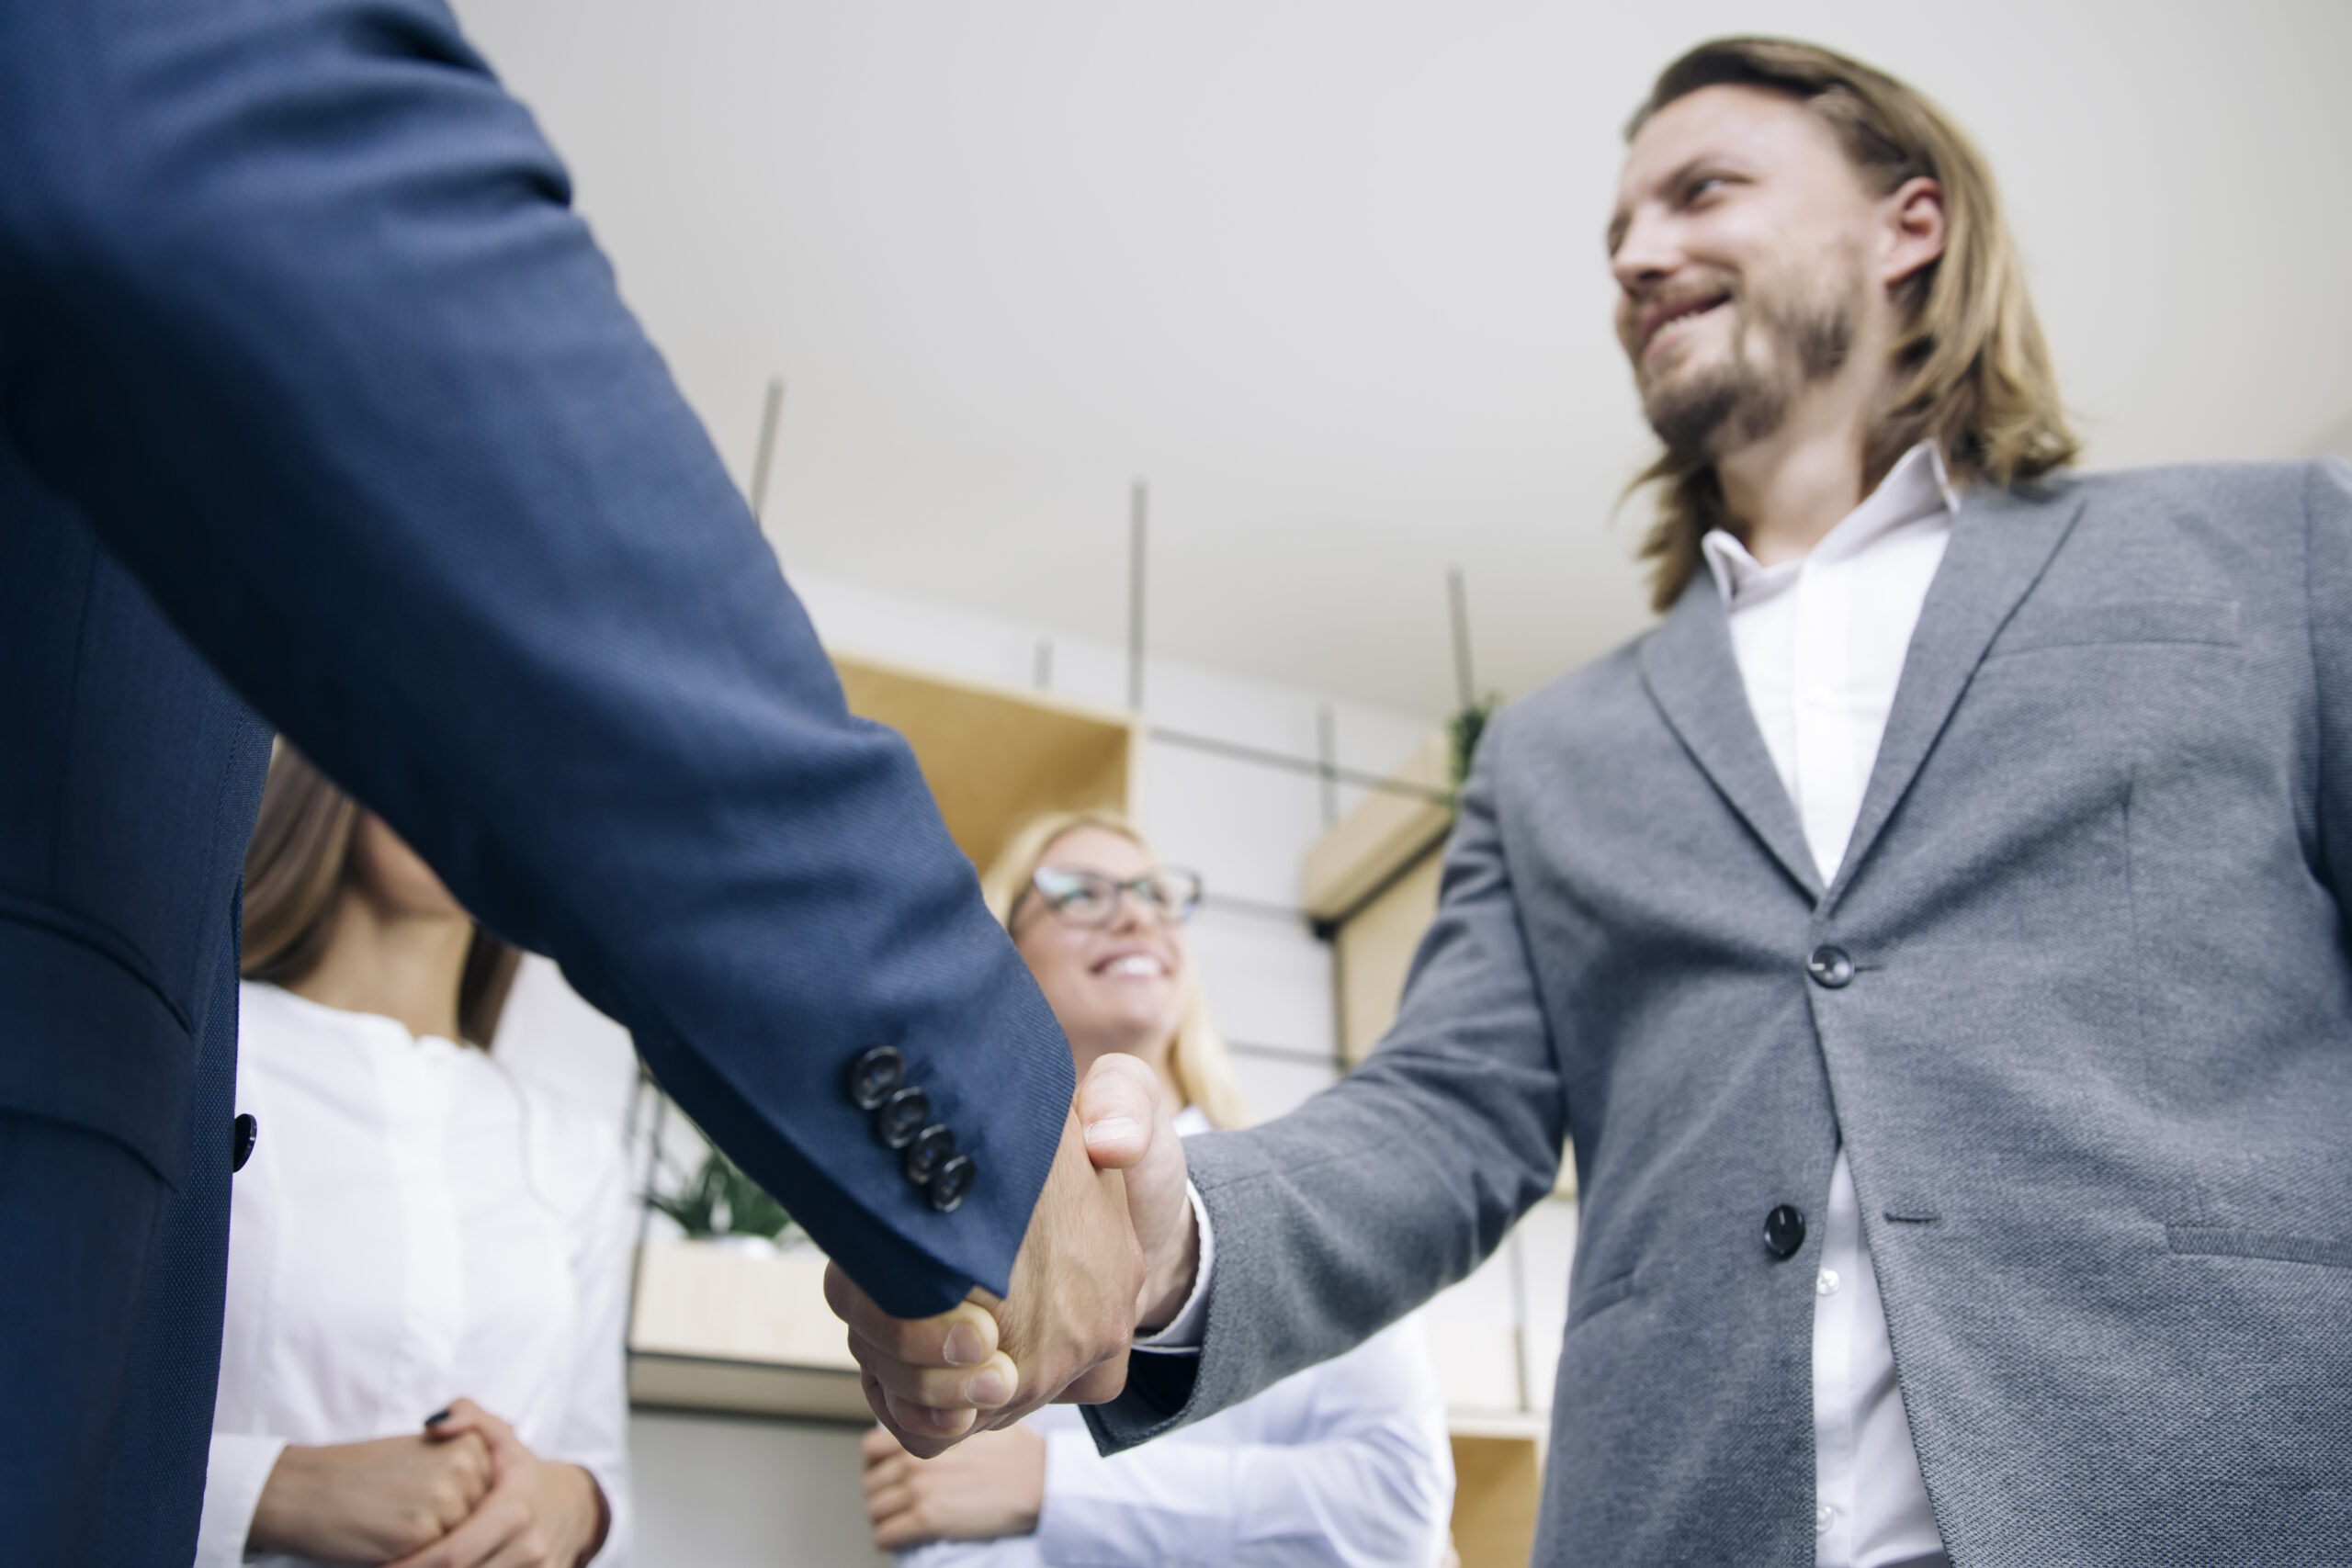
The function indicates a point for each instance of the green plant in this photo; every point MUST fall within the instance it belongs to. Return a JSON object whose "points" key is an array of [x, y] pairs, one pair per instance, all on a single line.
{"points": [[721, 1200], [1467, 727]]}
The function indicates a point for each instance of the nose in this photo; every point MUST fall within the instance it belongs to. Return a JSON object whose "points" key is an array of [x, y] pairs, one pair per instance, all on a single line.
{"points": [[1132, 911], [1645, 253]]}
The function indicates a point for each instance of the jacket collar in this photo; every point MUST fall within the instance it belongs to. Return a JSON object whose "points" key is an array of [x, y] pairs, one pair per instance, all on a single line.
{"points": [[2001, 541], [1687, 665]]}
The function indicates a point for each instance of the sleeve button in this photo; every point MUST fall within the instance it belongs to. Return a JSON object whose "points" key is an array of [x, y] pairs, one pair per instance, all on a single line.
{"points": [[930, 1150], [901, 1116], [950, 1182], [875, 1074]]}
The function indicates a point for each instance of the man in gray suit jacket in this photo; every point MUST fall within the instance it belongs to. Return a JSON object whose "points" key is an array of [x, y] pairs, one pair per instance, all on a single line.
{"points": [[1930, 935]]}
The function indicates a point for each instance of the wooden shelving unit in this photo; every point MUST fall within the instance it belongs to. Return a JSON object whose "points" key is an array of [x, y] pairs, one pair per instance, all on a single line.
{"points": [[719, 1327]]}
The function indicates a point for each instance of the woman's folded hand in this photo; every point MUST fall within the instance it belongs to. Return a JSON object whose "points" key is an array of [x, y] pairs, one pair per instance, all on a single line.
{"points": [[535, 1514], [369, 1502]]}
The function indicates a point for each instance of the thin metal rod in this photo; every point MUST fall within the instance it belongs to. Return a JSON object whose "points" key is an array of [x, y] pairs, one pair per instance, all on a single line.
{"points": [[1290, 764], [1041, 671], [1327, 753], [1519, 1314], [1254, 909], [769, 415], [1279, 1052], [1139, 524], [1457, 599]]}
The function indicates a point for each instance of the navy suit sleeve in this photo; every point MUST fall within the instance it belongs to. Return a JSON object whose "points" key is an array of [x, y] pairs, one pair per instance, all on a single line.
{"points": [[294, 308]]}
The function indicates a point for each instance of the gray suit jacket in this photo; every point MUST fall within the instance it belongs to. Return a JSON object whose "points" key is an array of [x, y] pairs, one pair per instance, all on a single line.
{"points": [[2092, 1063]]}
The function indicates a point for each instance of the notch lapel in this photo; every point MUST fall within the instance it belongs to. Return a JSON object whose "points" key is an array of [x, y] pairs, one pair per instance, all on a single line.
{"points": [[2001, 541], [1687, 665]]}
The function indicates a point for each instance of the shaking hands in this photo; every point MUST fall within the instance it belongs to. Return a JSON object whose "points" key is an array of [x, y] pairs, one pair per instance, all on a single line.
{"points": [[1111, 1247]]}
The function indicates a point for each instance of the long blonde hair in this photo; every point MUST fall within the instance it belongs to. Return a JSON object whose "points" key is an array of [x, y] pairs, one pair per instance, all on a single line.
{"points": [[1975, 375], [1198, 1059]]}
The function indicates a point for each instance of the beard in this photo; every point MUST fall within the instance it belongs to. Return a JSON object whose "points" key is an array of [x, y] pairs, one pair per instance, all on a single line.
{"points": [[1720, 408]]}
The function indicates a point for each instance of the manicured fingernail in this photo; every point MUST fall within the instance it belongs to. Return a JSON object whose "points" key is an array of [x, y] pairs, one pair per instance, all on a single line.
{"points": [[437, 1417], [965, 1347], [988, 1388], [1112, 1129]]}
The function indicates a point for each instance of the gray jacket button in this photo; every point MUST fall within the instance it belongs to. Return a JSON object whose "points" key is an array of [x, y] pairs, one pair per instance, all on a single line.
{"points": [[1830, 967]]}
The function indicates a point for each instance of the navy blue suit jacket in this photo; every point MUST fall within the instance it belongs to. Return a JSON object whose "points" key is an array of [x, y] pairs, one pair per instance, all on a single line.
{"points": [[318, 402]]}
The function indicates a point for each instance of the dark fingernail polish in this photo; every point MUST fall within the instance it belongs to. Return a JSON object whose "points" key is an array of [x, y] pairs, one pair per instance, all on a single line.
{"points": [[437, 1417]]}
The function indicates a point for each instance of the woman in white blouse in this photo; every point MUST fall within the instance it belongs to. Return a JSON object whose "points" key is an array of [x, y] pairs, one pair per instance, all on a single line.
{"points": [[1345, 1463], [428, 1260]]}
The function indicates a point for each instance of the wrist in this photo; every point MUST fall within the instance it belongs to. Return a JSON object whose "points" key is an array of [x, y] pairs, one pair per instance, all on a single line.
{"points": [[588, 1517], [1169, 1281], [287, 1501]]}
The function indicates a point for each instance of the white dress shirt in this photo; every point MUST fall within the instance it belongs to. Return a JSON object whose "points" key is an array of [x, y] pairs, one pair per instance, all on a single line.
{"points": [[414, 1225], [1346, 1464], [1820, 644]]}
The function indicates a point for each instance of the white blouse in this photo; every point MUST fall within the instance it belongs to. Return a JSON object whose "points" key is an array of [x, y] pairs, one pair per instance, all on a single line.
{"points": [[415, 1225], [1344, 1465]]}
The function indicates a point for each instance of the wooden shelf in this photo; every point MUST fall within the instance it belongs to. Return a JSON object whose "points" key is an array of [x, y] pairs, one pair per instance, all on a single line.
{"points": [[721, 1326], [1373, 845], [749, 1388], [994, 756]]}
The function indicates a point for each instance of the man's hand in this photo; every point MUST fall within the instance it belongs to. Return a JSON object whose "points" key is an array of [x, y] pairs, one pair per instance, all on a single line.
{"points": [[537, 1514], [1081, 1282], [993, 1484], [368, 1502]]}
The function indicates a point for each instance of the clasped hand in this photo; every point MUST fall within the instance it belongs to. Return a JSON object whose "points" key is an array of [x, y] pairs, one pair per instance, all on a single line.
{"points": [[465, 1493], [1111, 1248]]}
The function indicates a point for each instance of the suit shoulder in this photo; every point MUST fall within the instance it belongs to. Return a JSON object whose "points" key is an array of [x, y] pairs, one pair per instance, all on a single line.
{"points": [[2246, 491], [1588, 695]]}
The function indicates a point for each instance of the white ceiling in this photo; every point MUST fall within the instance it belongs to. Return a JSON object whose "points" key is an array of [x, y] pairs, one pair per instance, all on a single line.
{"points": [[1330, 272]]}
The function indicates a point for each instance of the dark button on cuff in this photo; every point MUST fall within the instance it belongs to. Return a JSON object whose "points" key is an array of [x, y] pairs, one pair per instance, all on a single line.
{"points": [[1829, 966], [1783, 1231], [901, 1116], [928, 1153], [244, 1134], [951, 1182], [875, 1074]]}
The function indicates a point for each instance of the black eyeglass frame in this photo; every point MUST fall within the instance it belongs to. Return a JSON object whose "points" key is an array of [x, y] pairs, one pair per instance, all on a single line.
{"points": [[1116, 891]]}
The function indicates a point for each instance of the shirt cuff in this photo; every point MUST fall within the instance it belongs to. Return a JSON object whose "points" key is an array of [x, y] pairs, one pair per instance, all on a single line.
{"points": [[235, 1472], [1182, 1336]]}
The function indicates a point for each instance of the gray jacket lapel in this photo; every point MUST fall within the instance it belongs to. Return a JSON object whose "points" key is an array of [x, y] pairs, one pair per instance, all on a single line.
{"points": [[2001, 540], [1687, 665]]}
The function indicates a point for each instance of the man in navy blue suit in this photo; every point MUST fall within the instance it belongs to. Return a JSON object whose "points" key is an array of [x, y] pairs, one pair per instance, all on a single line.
{"points": [[319, 411]]}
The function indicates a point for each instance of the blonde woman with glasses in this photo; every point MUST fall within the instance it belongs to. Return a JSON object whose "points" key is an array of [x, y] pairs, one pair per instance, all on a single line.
{"points": [[1344, 1464]]}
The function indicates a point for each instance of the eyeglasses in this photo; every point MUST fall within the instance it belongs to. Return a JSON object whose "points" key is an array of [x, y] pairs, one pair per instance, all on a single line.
{"points": [[1088, 899]]}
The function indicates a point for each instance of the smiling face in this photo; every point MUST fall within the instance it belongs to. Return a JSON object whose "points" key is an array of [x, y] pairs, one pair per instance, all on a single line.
{"points": [[1121, 986], [1743, 245]]}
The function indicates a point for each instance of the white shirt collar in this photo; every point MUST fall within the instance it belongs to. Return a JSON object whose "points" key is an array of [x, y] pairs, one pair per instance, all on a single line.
{"points": [[1916, 487]]}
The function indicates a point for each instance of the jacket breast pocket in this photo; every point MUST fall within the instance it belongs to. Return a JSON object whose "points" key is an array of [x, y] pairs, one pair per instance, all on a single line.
{"points": [[2275, 1247], [2211, 622]]}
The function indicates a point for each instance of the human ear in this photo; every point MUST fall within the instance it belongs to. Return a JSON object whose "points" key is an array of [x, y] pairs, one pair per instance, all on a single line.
{"points": [[1915, 229]]}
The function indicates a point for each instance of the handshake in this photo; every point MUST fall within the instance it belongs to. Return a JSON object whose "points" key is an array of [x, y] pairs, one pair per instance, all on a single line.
{"points": [[1111, 1247]]}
